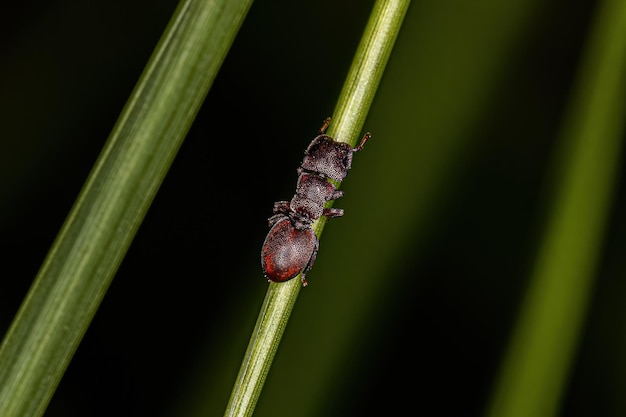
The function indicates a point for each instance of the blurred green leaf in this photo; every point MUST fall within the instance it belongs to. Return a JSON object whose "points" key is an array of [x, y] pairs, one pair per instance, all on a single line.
{"points": [[539, 358]]}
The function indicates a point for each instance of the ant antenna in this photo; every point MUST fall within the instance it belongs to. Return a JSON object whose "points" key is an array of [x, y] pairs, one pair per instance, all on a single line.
{"points": [[325, 125], [365, 138]]}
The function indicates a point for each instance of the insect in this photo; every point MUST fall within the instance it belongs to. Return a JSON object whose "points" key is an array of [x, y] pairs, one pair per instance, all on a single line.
{"points": [[291, 244]]}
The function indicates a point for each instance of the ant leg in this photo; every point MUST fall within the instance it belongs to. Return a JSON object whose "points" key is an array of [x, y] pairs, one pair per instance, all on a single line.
{"points": [[336, 194], [304, 283], [281, 207], [275, 219], [333, 212], [310, 263]]}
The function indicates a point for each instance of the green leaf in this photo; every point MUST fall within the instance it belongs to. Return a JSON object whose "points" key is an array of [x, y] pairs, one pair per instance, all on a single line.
{"points": [[539, 358], [100, 227], [347, 121]]}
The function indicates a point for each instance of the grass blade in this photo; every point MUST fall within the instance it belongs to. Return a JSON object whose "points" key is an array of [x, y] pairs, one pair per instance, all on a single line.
{"points": [[97, 232], [537, 363], [350, 113]]}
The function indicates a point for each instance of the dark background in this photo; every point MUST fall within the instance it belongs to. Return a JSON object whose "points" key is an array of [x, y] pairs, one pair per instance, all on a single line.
{"points": [[415, 291]]}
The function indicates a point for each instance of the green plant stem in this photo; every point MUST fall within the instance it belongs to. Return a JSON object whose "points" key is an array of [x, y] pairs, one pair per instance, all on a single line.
{"points": [[348, 119], [552, 315], [97, 232]]}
